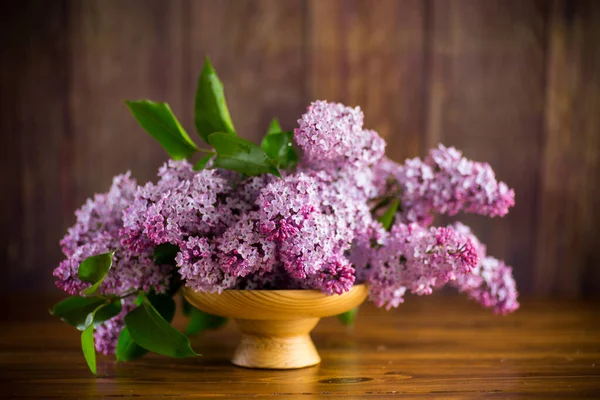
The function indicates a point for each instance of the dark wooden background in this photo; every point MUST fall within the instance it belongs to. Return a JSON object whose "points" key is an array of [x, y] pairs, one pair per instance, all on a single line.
{"points": [[512, 82]]}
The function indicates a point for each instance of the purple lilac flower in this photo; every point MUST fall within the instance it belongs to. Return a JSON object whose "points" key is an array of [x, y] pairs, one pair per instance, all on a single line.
{"points": [[244, 250], [331, 135], [97, 231], [491, 282], [445, 183], [364, 248], [199, 266], [296, 235], [311, 235], [418, 259], [183, 203], [336, 277]]}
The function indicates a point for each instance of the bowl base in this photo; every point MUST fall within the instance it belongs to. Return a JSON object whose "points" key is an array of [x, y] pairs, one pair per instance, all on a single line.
{"points": [[272, 344]]}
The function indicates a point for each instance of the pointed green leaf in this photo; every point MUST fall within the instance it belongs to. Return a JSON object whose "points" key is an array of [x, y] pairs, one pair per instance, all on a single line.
{"points": [[164, 304], [127, 349], [107, 312], [89, 351], [94, 269], [241, 155], [211, 113], [201, 321], [348, 317], [278, 147], [87, 336], [150, 330], [160, 122], [201, 164], [77, 310], [387, 219], [274, 127]]}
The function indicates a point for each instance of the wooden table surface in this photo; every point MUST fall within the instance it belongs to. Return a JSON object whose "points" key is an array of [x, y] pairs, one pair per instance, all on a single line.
{"points": [[436, 347]]}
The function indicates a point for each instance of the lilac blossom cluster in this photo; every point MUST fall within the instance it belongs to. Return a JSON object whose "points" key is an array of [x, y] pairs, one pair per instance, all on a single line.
{"points": [[293, 232], [491, 282], [444, 183], [97, 231], [418, 259], [316, 227], [411, 258]]}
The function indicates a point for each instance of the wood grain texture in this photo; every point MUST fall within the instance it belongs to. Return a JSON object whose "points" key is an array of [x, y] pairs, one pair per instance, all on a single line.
{"points": [[276, 344], [487, 99], [431, 347], [512, 82], [567, 256], [372, 56], [35, 127], [258, 49], [120, 50], [276, 304], [276, 324]]}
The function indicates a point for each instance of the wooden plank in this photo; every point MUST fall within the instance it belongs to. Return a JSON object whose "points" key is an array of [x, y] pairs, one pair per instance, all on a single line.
{"points": [[258, 50], [372, 56], [120, 50], [567, 256], [486, 97], [432, 347], [34, 127]]}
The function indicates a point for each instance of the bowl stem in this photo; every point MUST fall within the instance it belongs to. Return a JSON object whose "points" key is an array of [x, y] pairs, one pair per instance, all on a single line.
{"points": [[276, 344]]}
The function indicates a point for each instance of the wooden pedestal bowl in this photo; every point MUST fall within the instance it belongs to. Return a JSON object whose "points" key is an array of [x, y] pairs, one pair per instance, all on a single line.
{"points": [[276, 324]]}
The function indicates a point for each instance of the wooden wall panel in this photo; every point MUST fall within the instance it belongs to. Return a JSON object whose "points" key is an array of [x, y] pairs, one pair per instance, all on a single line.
{"points": [[512, 82], [35, 126], [567, 257], [258, 49], [120, 50], [486, 97], [372, 55]]}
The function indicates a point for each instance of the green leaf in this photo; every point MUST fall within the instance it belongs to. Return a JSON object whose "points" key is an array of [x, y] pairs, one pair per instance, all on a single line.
{"points": [[274, 127], [149, 330], [241, 155], [78, 311], [201, 321], [87, 345], [165, 253], [94, 269], [201, 164], [158, 120], [387, 219], [278, 147], [348, 317], [210, 111], [139, 299], [127, 349], [164, 304], [107, 312], [187, 306], [87, 336]]}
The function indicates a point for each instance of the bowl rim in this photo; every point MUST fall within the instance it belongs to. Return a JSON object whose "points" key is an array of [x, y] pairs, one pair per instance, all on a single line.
{"points": [[276, 304], [298, 291]]}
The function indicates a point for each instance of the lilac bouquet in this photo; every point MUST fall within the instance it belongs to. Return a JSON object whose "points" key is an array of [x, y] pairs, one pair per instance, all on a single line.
{"points": [[319, 207]]}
